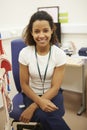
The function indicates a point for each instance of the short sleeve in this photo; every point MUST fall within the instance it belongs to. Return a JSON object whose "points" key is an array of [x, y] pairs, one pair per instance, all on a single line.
{"points": [[59, 56], [23, 56]]}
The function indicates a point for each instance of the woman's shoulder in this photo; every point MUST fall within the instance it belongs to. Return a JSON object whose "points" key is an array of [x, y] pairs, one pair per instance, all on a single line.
{"points": [[58, 55], [56, 49], [27, 49], [26, 54]]}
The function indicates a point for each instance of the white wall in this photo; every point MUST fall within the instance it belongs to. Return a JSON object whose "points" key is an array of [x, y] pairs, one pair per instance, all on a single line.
{"points": [[16, 13]]}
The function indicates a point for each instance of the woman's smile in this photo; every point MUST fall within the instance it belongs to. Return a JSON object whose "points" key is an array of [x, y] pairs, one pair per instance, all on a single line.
{"points": [[42, 40]]}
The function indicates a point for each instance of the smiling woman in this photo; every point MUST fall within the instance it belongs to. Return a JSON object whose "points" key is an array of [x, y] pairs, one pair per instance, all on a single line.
{"points": [[40, 62], [41, 33]]}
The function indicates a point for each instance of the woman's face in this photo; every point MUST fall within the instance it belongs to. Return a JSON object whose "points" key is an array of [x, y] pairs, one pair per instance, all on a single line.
{"points": [[41, 32]]}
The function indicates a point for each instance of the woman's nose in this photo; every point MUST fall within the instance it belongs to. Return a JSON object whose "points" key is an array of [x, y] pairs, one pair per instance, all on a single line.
{"points": [[41, 34]]}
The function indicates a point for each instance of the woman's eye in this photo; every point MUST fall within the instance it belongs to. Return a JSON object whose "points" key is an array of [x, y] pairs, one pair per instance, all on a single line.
{"points": [[46, 30], [36, 31]]}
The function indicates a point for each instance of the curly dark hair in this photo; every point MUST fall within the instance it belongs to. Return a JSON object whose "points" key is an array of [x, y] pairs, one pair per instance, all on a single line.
{"points": [[39, 15]]}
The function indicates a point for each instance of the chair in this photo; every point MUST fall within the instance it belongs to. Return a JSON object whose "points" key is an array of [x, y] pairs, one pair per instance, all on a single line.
{"points": [[16, 46]]}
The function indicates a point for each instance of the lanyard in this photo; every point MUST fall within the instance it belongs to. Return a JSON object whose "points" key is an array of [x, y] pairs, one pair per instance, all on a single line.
{"points": [[42, 79]]}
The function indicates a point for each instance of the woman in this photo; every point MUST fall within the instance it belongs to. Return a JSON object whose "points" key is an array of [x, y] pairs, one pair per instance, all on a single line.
{"points": [[42, 67]]}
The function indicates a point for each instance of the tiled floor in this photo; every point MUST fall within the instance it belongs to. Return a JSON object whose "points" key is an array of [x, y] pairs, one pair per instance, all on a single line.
{"points": [[72, 105]]}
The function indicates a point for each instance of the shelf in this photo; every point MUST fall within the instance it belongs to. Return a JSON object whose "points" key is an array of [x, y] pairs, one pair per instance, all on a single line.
{"points": [[74, 28]]}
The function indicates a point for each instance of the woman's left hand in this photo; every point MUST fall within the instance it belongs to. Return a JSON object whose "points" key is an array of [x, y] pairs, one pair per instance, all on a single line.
{"points": [[47, 106]]}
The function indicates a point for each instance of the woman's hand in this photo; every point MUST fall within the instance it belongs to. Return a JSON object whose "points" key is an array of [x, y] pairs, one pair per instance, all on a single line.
{"points": [[27, 114], [47, 106]]}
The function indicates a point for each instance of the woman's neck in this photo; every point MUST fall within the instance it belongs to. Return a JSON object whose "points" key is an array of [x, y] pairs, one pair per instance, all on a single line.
{"points": [[42, 50]]}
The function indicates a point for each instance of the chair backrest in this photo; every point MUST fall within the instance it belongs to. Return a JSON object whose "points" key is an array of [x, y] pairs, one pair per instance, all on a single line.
{"points": [[16, 46]]}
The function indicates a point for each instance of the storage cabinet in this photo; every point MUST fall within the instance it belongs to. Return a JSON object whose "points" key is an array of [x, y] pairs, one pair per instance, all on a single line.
{"points": [[75, 79]]}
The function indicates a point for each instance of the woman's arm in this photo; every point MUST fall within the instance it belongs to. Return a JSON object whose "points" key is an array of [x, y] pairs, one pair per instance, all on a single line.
{"points": [[56, 82], [58, 75], [24, 81]]}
